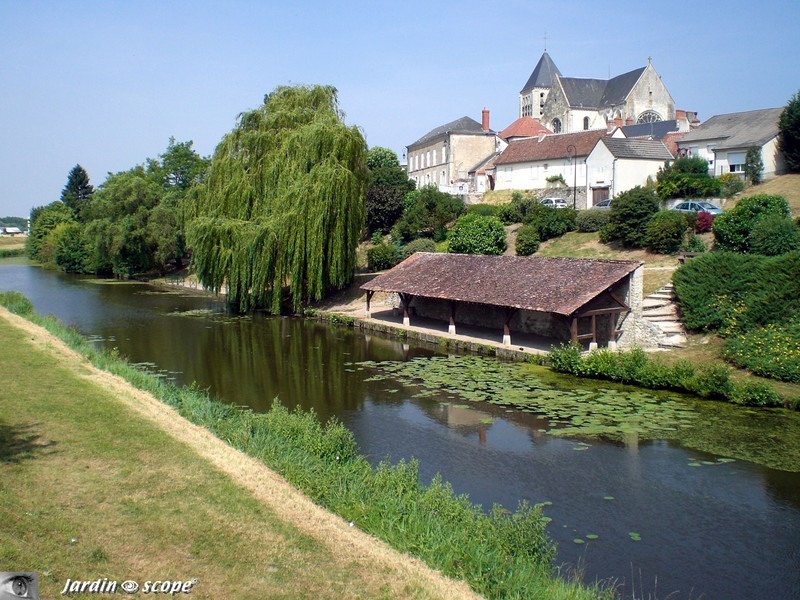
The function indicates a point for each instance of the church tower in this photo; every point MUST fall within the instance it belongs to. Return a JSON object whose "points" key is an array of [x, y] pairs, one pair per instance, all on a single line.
{"points": [[535, 91]]}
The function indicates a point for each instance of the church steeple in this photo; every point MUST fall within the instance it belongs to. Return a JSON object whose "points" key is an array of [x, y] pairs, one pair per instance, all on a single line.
{"points": [[535, 91]]}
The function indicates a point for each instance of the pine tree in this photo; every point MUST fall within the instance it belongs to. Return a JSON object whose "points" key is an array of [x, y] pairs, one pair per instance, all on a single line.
{"points": [[78, 191], [789, 137], [282, 205]]}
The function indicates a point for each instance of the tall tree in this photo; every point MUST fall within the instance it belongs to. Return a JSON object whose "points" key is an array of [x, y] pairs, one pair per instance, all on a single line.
{"points": [[389, 184], [789, 136], [182, 166], [283, 203], [78, 191], [753, 165]]}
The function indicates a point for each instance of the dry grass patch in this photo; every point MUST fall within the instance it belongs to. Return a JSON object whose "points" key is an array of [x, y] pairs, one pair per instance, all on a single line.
{"points": [[787, 186], [12, 242], [587, 245]]}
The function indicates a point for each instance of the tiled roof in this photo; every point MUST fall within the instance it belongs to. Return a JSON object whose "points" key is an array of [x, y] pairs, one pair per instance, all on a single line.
{"points": [[600, 93], [553, 285], [464, 125], [523, 127], [550, 147], [543, 74], [654, 131], [637, 149], [738, 130]]}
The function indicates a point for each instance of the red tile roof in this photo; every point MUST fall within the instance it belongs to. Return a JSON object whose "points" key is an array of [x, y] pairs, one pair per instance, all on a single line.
{"points": [[537, 283], [550, 147], [524, 127]]}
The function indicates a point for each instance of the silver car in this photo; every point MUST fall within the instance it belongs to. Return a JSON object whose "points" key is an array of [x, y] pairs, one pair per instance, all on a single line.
{"points": [[554, 202], [696, 206]]}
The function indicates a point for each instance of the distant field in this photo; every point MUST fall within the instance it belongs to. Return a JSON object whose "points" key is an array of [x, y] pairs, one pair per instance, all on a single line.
{"points": [[8, 242]]}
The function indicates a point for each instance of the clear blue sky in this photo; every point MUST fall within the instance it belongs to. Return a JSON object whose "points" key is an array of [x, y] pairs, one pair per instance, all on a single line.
{"points": [[105, 84]]}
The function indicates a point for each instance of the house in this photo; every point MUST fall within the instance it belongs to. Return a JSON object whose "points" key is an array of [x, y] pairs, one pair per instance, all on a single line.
{"points": [[570, 104], [723, 141], [618, 164], [591, 301], [444, 156], [11, 231], [534, 163]]}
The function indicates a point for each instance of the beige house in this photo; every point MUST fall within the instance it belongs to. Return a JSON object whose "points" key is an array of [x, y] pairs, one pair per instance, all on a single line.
{"points": [[723, 141], [445, 155], [570, 104]]}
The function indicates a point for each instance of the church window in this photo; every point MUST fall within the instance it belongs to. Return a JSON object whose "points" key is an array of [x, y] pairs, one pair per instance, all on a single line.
{"points": [[585, 123], [649, 116], [556, 126]]}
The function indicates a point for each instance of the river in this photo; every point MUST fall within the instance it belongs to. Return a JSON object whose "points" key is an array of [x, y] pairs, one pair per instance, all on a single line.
{"points": [[665, 518]]}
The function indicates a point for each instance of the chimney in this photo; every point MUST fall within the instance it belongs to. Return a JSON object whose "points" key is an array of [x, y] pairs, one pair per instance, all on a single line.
{"points": [[485, 119], [618, 121], [629, 121], [680, 114]]}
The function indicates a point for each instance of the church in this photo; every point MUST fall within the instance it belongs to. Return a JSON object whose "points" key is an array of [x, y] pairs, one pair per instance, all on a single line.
{"points": [[571, 104]]}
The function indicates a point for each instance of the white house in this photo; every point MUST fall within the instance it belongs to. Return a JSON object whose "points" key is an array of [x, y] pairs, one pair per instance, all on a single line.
{"points": [[527, 164], [723, 141], [618, 164]]}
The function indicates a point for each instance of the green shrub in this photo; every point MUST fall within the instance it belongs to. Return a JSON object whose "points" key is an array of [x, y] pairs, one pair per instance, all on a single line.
{"points": [[692, 243], [551, 222], [732, 228], [774, 235], [753, 393], [475, 234], [772, 351], [665, 231], [711, 380], [686, 178], [509, 213], [419, 245], [16, 303], [382, 257], [566, 358], [734, 292], [731, 184], [594, 219], [704, 222], [629, 214], [426, 213], [527, 240], [485, 210]]}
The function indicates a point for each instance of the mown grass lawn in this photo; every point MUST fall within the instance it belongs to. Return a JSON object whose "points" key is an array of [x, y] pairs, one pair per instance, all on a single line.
{"points": [[92, 490]]}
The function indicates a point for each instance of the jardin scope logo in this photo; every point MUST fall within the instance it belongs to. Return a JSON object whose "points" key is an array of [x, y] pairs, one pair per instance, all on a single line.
{"points": [[14, 586]]}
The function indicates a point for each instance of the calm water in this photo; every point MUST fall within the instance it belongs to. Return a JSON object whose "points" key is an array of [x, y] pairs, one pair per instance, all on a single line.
{"points": [[722, 532]]}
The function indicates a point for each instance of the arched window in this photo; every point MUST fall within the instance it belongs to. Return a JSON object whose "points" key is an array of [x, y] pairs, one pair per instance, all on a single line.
{"points": [[585, 123], [556, 126], [649, 116]]}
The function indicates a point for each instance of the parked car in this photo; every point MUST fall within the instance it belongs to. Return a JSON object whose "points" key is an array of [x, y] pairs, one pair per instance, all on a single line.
{"points": [[603, 204], [696, 207], [554, 202]]}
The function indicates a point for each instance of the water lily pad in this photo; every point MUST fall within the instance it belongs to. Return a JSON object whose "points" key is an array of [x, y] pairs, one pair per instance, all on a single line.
{"points": [[592, 536], [608, 497], [578, 541], [634, 536]]}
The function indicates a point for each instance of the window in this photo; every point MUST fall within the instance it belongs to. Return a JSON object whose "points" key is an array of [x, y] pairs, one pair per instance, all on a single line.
{"points": [[556, 126], [585, 123], [736, 162], [649, 116], [444, 154]]}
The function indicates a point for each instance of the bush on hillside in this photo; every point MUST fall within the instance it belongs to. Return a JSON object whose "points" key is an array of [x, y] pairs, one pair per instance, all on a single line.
{"points": [[419, 245], [692, 243], [665, 232], [551, 222], [686, 178], [591, 220], [731, 184], [774, 235], [732, 228], [527, 240], [382, 257], [772, 351], [629, 214], [475, 234], [517, 209], [704, 222], [485, 210], [734, 293], [426, 213]]}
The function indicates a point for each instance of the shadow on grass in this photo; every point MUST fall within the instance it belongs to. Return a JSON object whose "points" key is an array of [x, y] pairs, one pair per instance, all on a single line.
{"points": [[21, 442]]}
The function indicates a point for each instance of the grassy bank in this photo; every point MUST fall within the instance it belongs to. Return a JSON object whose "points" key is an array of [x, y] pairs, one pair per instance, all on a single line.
{"points": [[93, 490], [498, 554]]}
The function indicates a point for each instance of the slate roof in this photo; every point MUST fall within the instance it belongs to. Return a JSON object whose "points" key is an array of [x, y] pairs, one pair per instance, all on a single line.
{"points": [[655, 131], [543, 74], [464, 125], [600, 93], [550, 147], [536, 283], [523, 127], [738, 130], [637, 149]]}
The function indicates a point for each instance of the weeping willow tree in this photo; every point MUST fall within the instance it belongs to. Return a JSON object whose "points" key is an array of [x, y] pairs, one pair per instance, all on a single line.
{"points": [[282, 207]]}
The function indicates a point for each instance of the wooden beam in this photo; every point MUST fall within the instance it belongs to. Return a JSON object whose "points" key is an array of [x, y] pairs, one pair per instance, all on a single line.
{"points": [[574, 329], [602, 311]]}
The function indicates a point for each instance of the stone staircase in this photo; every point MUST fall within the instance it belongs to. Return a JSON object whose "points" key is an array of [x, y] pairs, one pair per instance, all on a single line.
{"points": [[661, 312]]}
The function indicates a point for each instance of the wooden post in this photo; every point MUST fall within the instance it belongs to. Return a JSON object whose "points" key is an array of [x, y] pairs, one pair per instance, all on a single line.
{"points": [[369, 297], [405, 300], [451, 329], [574, 329], [509, 314]]}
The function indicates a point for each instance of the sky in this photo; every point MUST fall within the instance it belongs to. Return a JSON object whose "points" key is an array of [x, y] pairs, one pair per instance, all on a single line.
{"points": [[106, 84]]}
